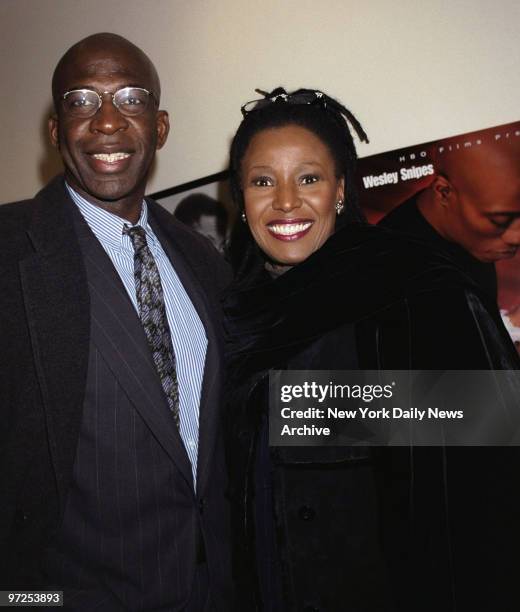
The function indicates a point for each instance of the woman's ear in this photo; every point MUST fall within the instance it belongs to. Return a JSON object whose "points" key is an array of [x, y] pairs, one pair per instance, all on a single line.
{"points": [[340, 190]]}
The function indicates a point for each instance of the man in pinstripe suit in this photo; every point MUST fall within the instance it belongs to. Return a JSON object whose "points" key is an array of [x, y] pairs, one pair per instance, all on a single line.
{"points": [[111, 489]]}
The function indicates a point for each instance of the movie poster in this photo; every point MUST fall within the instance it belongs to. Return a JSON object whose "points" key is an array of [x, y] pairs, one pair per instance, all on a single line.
{"points": [[485, 162]]}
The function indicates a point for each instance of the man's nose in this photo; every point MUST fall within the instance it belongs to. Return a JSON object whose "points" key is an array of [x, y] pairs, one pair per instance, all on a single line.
{"points": [[287, 197], [512, 234], [108, 119]]}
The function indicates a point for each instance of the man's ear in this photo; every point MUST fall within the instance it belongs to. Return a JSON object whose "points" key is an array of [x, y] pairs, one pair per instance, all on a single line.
{"points": [[53, 131], [162, 125], [443, 190]]}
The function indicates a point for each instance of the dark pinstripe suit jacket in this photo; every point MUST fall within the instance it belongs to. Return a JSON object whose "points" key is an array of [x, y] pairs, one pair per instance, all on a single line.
{"points": [[48, 336]]}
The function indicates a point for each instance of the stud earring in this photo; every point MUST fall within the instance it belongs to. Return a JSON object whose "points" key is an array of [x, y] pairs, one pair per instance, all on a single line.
{"points": [[243, 217], [339, 207]]}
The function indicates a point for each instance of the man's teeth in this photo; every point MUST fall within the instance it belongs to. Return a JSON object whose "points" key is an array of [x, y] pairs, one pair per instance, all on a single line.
{"points": [[288, 229], [110, 157]]}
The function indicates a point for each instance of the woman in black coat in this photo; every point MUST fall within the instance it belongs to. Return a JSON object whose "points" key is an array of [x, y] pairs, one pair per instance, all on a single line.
{"points": [[337, 529]]}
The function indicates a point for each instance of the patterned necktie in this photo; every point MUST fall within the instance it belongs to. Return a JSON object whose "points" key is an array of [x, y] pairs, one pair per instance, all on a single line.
{"points": [[150, 300]]}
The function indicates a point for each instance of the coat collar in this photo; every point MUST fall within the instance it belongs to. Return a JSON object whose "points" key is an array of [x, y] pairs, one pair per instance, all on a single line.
{"points": [[357, 272]]}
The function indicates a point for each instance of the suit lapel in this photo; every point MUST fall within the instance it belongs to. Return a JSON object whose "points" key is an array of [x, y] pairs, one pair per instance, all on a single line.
{"points": [[165, 230], [57, 301], [57, 304], [119, 336]]}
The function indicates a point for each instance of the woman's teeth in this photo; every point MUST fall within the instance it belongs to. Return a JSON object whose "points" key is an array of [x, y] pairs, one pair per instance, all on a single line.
{"points": [[110, 157], [288, 229]]}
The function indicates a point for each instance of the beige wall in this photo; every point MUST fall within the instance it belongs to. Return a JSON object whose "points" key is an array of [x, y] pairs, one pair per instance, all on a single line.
{"points": [[412, 70]]}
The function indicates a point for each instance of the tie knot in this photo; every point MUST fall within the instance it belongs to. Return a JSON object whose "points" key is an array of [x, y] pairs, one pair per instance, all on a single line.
{"points": [[137, 236]]}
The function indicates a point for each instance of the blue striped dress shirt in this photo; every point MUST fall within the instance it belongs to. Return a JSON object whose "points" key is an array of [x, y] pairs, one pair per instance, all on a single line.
{"points": [[187, 331]]}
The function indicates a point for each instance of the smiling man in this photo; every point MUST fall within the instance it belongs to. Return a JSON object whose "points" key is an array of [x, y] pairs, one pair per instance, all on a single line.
{"points": [[112, 477]]}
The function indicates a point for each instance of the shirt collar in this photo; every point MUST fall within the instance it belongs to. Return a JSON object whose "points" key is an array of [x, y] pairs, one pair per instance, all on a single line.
{"points": [[108, 227]]}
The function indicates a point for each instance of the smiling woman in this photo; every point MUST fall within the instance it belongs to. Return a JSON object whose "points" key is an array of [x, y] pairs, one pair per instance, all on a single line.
{"points": [[291, 191], [316, 288]]}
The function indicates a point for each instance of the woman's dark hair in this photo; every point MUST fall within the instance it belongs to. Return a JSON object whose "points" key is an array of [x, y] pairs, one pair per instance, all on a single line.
{"points": [[313, 110]]}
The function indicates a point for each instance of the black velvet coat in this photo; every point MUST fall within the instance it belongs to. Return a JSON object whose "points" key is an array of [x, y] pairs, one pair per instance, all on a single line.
{"points": [[393, 529]]}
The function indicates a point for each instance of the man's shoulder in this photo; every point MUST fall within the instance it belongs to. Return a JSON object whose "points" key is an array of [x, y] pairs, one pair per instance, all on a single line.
{"points": [[22, 211], [44, 217], [16, 219], [404, 217], [189, 241], [16, 212]]}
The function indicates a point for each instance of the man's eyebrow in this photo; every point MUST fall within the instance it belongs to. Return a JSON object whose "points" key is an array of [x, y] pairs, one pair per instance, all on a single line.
{"points": [[91, 88], [503, 214], [74, 87], [135, 84]]}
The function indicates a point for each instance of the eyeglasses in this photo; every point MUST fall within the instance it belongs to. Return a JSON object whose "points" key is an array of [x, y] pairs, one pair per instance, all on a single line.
{"points": [[308, 97], [85, 103]]}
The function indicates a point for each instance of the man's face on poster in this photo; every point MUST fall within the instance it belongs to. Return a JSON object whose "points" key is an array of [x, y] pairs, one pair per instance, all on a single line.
{"points": [[483, 208], [207, 225]]}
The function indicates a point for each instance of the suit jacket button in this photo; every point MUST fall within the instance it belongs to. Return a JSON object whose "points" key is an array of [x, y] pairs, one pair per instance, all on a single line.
{"points": [[20, 518], [201, 505], [311, 609], [306, 513]]}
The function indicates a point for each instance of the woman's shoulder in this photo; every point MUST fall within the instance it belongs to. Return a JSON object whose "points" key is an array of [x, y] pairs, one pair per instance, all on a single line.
{"points": [[373, 241], [359, 270], [358, 274]]}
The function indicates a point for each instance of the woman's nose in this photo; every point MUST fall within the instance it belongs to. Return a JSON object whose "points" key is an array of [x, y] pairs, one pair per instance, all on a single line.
{"points": [[287, 198]]}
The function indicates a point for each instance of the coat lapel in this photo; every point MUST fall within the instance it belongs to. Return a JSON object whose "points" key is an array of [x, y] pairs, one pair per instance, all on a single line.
{"points": [[177, 250], [57, 303], [119, 336]]}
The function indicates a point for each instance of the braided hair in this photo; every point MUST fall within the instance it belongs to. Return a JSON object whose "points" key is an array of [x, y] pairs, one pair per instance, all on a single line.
{"points": [[313, 110]]}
